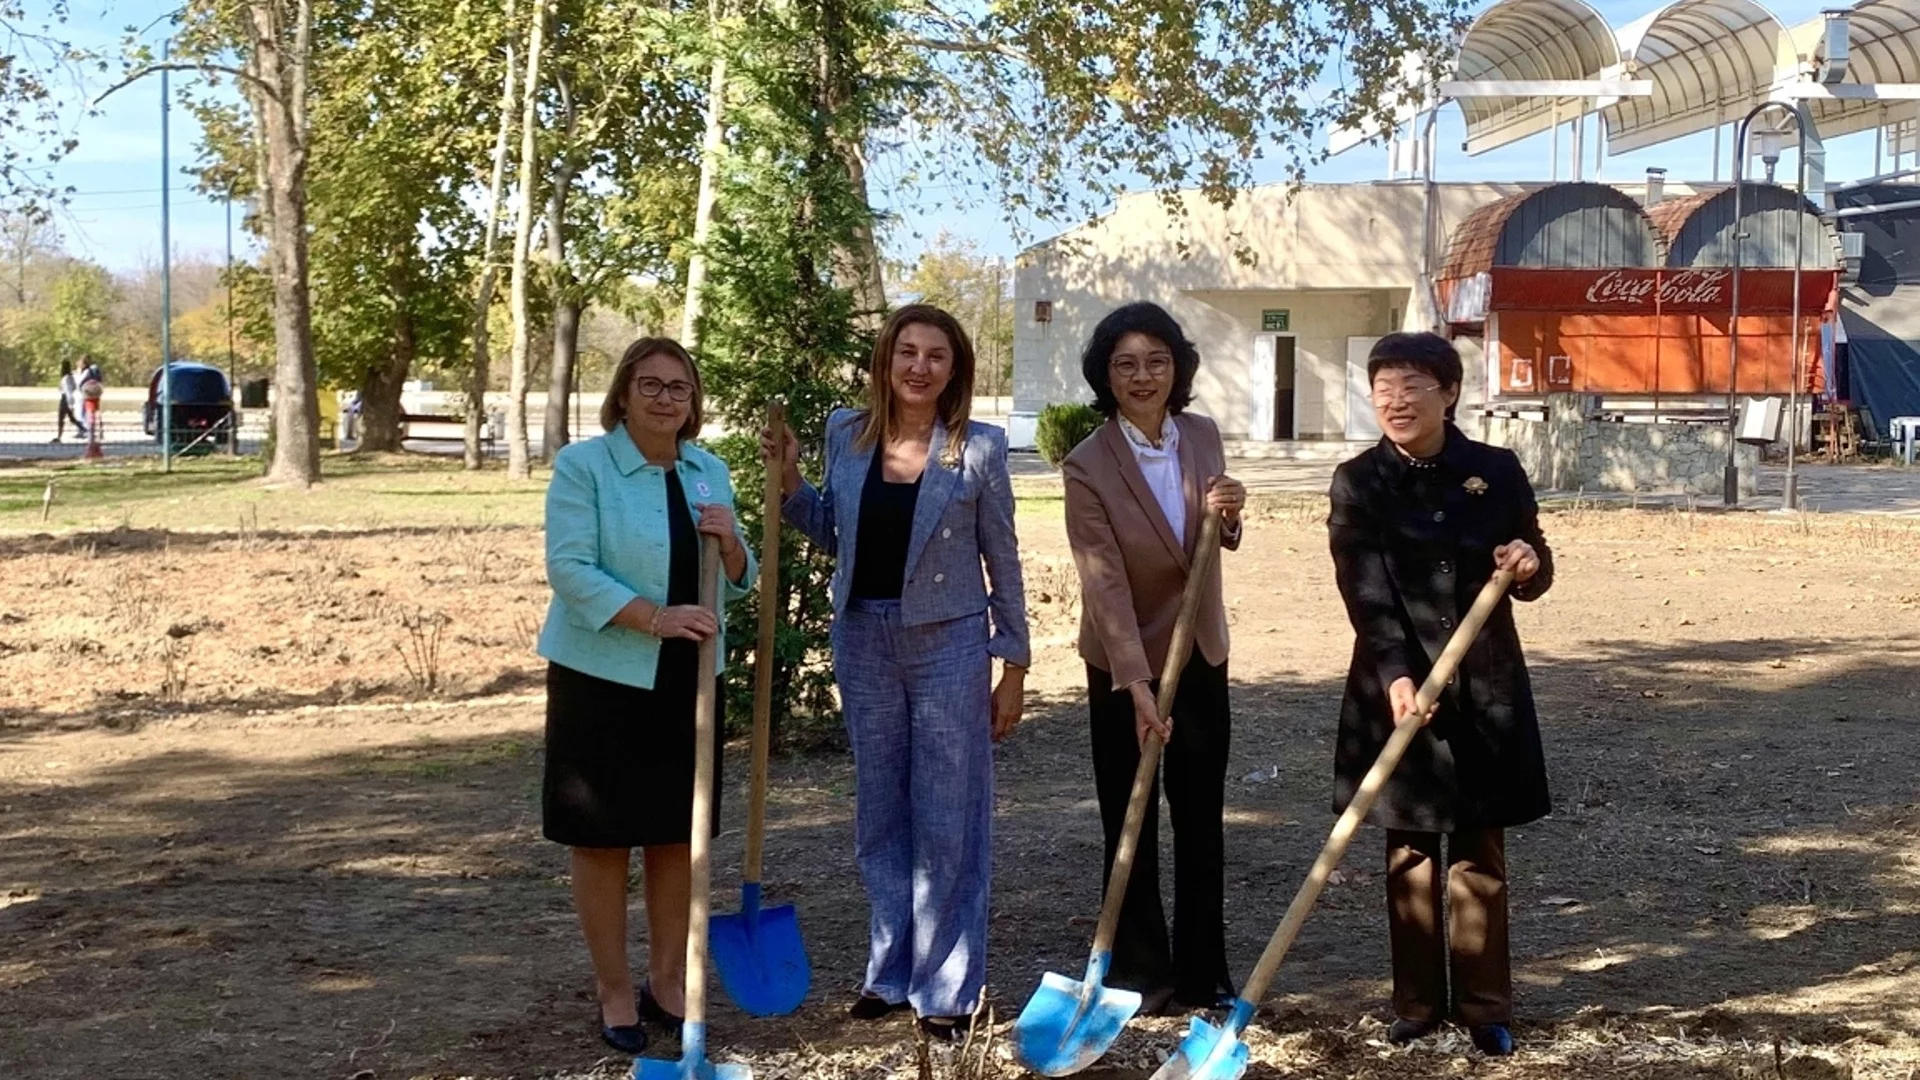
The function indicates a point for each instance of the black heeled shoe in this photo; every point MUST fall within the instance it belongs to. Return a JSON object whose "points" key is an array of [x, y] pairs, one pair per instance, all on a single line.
{"points": [[652, 1012], [946, 1029], [873, 1007], [629, 1039]]}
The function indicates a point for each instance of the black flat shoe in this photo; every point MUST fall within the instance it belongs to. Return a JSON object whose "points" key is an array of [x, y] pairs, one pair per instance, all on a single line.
{"points": [[946, 1029], [630, 1039], [873, 1007], [1405, 1031], [652, 1012]]}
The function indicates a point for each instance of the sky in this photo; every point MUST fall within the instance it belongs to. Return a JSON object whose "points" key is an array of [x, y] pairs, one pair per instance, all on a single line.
{"points": [[114, 217]]}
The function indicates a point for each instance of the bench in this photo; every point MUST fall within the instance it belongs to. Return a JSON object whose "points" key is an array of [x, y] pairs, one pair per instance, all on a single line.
{"points": [[443, 428]]}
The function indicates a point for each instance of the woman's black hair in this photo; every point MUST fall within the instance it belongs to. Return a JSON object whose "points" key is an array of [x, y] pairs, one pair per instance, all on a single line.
{"points": [[1427, 353], [1138, 318]]}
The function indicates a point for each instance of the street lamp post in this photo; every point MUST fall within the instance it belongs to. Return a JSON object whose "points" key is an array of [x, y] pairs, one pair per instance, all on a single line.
{"points": [[166, 279], [233, 379]]}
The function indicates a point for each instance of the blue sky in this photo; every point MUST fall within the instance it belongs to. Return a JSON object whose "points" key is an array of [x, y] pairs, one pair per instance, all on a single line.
{"points": [[115, 215]]}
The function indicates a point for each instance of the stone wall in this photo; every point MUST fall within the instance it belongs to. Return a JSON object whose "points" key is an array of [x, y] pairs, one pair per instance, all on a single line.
{"points": [[1567, 452]]}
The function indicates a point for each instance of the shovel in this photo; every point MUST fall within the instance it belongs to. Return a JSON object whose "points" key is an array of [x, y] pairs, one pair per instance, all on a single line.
{"points": [[693, 1063], [1067, 1025], [761, 959], [1216, 1053]]}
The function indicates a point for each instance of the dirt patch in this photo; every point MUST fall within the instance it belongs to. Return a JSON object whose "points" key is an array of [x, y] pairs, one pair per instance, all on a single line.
{"points": [[238, 838]]}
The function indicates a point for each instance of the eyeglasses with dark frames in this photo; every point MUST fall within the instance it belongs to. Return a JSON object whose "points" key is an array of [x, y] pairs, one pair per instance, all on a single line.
{"points": [[678, 391]]}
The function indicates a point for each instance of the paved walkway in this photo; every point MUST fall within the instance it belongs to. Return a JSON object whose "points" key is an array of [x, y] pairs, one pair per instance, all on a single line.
{"points": [[1888, 490]]}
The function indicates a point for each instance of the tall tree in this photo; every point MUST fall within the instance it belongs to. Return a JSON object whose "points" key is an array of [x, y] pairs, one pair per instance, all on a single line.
{"points": [[624, 120], [274, 43], [713, 144], [486, 282], [519, 466]]}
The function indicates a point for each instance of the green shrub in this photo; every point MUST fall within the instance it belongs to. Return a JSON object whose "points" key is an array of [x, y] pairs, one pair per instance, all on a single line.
{"points": [[1062, 427]]}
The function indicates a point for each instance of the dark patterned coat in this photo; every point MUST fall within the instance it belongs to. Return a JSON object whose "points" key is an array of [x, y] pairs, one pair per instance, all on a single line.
{"points": [[1412, 546]]}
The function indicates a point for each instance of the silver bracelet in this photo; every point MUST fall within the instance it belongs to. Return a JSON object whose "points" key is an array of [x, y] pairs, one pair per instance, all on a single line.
{"points": [[653, 624]]}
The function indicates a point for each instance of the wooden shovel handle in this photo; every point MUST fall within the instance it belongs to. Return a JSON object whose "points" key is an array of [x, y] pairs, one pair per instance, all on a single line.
{"points": [[1376, 778], [1178, 650], [701, 839], [763, 659]]}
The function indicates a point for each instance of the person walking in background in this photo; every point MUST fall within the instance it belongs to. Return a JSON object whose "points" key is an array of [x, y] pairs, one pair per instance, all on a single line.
{"points": [[1136, 492], [1418, 524], [625, 514], [69, 404], [916, 501]]}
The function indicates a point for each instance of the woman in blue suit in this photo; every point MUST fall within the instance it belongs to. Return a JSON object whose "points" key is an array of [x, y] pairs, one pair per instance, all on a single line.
{"points": [[625, 513], [916, 504]]}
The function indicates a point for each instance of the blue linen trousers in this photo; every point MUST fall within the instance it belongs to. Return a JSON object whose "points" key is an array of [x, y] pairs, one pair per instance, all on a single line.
{"points": [[918, 705]]}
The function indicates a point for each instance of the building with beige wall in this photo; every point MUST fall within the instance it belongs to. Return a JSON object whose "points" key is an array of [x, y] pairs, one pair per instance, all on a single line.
{"points": [[1344, 262]]}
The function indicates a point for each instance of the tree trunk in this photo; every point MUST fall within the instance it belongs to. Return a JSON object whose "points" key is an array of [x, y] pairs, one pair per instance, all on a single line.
{"points": [[381, 384], [483, 289], [281, 65], [567, 303], [519, 466], [710, 150], [566, 348], [856, 265]]}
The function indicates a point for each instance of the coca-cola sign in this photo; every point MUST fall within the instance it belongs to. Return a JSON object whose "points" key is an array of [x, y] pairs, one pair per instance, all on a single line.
{"points": [[1687, 287], [1704, 291]]}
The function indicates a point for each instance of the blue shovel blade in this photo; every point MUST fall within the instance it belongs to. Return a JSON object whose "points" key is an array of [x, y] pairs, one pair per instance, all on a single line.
{"points": [[1209, 1052], [652, 1069], [1069, 1023], [762, 961], [693, 1063]]}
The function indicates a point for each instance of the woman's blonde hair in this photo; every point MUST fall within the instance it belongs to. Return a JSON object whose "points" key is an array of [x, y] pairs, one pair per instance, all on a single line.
{"points": [[613, 411], [955, 406]]}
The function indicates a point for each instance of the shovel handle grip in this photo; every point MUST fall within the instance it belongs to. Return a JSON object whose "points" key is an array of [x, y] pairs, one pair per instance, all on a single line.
{"points": [[1376, 778], [700, 842], [763, 659], [1178, 650]]}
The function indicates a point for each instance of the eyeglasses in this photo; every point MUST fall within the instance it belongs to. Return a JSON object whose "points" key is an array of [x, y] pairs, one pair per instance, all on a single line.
{"points": [[1128, 367], [677, 391], [1411, 395]]}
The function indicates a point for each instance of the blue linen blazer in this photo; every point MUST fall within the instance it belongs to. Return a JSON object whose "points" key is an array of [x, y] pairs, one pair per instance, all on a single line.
{"points": [[608, 542], [962, 525]]}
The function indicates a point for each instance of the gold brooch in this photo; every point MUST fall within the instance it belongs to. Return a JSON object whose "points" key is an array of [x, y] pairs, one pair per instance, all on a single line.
{"points": [[1475, 486]]}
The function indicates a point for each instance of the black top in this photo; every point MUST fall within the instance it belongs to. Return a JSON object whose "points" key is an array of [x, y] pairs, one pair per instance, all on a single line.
{"points": [[886, 526], [683, 569], [1412, 545]]}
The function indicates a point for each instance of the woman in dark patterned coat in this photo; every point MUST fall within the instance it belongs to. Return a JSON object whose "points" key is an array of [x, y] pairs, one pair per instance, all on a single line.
{"points": [[1418, 524]]}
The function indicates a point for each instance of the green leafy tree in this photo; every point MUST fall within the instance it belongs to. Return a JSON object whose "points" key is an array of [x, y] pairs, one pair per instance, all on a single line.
{"points": [[780, 319]]}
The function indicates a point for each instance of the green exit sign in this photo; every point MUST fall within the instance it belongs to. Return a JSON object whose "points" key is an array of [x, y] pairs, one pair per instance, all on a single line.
{"points": [[1275, 319]]}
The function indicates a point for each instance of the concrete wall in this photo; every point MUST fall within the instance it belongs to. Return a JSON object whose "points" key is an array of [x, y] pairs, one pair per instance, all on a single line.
{"points": [[1565, 452]]}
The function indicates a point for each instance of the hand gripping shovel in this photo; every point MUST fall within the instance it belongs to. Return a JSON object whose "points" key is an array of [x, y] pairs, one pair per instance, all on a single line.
{"points": [[761, 959], [1216, 1053], [693, 1064], [1067, 1025]]}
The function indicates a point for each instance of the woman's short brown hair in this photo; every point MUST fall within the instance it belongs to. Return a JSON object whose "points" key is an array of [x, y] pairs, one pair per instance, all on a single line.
{"points": [[956, 401], [613, 411]]}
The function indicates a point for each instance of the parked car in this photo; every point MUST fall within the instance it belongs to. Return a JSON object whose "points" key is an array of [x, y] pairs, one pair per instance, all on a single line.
{"points": [[201, 402]]}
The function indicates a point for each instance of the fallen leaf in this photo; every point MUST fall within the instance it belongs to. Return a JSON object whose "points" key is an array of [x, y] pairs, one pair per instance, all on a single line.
{"points": [[1560, 901], [1707, 850]]}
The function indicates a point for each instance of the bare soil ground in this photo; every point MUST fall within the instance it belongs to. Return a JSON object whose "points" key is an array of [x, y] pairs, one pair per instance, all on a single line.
{"points": [[237, 839]]}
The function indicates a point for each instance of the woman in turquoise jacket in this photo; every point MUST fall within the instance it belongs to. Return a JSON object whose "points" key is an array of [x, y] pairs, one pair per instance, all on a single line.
{"points": [[625, 513]]}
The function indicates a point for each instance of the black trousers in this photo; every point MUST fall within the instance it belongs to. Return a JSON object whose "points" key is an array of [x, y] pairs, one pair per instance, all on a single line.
{"points": [[1468, 950], [1195, 768]]}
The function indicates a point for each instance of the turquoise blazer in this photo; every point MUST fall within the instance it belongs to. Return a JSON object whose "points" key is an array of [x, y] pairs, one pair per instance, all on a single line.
{"points": [[608, 542]]}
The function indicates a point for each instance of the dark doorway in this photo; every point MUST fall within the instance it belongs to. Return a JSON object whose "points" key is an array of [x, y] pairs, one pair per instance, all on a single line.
{"points": [[1283, 374]]}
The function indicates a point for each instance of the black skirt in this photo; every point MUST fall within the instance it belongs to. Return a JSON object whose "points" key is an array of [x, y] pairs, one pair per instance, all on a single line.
{"points": [[620, 759]]}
